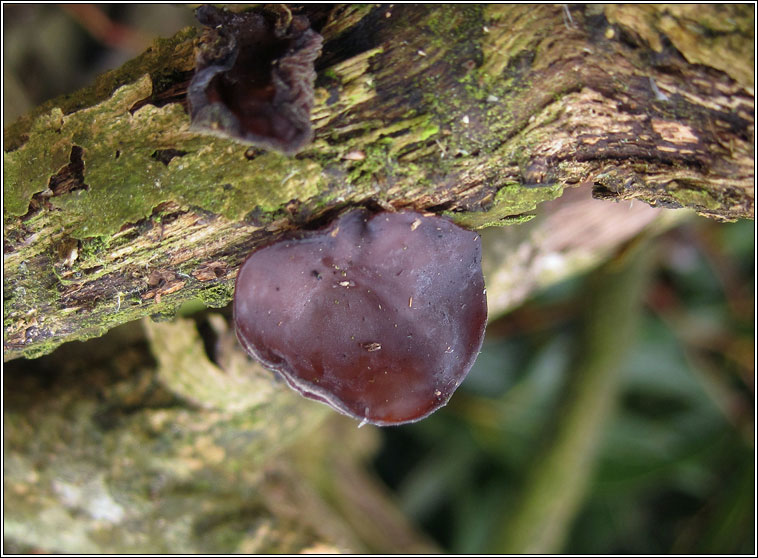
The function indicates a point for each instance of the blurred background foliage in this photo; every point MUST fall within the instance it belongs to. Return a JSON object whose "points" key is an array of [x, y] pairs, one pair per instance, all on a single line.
{"points": [[675, 463], [675, 466]]}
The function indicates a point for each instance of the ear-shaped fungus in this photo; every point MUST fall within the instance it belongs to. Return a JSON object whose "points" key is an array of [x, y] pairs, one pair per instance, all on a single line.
{"points": [[254, 78], [381, 317]]}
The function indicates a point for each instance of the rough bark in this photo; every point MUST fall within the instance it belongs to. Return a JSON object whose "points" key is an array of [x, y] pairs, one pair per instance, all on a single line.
{"points": [[114, 210]]}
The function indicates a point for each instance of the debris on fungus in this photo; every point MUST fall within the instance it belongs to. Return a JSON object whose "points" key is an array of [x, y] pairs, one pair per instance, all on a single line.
{"points": [[254, 78], [379, 316]]}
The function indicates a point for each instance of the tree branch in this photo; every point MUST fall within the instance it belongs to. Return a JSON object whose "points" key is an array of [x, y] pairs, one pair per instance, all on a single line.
{"points": [[115, 210]]}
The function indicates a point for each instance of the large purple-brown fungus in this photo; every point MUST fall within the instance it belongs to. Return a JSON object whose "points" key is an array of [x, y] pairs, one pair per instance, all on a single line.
{"points": [[380, 317], [254, 78]]}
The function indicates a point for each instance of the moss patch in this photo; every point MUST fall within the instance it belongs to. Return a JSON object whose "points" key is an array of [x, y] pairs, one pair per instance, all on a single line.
{"points": [[28, 170], [125, 179], [511, 205], [163, 59], [695, 198]]}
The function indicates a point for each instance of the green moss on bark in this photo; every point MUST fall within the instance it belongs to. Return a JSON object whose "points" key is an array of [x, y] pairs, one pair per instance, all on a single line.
{"points": [[512, 205], [166, 58], [125, 179]]}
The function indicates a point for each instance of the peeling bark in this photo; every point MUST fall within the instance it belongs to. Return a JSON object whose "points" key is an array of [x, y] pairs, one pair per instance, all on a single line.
{"points": [[477, 112]]}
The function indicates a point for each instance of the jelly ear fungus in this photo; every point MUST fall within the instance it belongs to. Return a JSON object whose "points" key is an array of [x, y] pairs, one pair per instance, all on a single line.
{"points": [[254, 77], [379, 316]]}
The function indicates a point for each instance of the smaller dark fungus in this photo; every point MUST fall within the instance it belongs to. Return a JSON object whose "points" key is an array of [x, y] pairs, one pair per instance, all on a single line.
{"points": [[381, 317], [254, 77]]}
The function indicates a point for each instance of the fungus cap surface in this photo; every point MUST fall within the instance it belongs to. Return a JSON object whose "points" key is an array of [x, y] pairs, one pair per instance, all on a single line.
{"points": [[380, 317]]}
